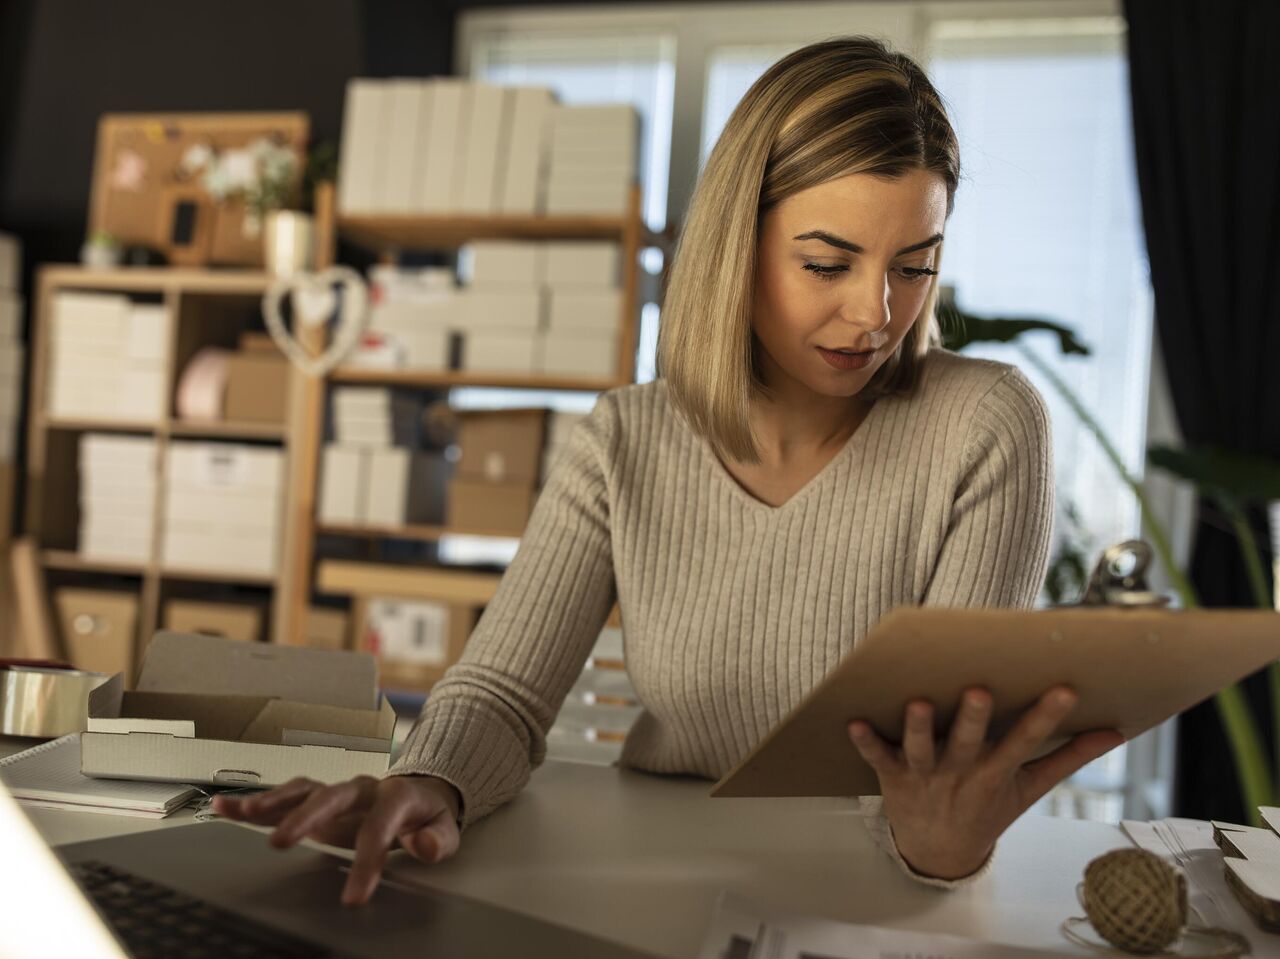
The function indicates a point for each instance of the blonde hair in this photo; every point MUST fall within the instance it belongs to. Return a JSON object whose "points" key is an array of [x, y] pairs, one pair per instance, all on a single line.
{"points": [[842, 106]]}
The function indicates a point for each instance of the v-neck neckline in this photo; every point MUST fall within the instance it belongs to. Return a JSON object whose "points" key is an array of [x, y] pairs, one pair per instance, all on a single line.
{"points": [[856, 439]]}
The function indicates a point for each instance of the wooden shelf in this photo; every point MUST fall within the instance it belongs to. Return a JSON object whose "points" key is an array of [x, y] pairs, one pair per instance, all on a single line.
{"points": [[154, 279], [66, 559], [218, 576], [462, 587], [426, 379], [85, 424], [226, 430], [427, 534], [385, 233]]}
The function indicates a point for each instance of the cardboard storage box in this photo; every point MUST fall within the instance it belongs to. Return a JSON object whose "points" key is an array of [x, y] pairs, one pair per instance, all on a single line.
{"points": [[221, 712], [326, 628], [579, 264], [99, 628], [501, 446], [241, 621], [405, 486], [579, 353], [415, 640], [344, 480], [500, 351], [257, 387], [496, 508]]}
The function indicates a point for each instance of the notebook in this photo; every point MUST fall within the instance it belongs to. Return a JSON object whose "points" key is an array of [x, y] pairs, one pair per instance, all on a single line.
{"points": [[49, 775]]}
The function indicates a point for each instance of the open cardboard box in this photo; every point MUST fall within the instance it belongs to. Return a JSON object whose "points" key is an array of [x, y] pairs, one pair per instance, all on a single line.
{"points": [[224, 712]]}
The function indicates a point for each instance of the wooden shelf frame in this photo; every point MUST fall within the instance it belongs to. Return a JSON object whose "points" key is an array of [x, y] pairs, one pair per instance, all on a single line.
{"points": [[171, 286], [388, 236]]}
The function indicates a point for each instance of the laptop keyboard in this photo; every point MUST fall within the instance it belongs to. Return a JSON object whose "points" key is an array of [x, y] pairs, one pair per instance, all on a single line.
{"points": [[157, 921]]}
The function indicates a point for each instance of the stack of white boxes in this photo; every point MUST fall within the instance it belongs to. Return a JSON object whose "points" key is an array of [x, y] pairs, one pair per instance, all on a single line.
{"points": [[373, 474], [107, 357], [593, 159], [117, 497], [10, 344], [550, 308], [446, 145], [413, 316], [222, 508]]}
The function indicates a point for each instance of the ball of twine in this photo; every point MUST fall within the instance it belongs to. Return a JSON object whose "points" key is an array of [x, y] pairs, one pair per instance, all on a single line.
{"points": [[1135, 900]]}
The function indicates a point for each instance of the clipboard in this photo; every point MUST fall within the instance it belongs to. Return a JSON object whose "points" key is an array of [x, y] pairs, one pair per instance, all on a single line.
{"points": [[1133, 668]]}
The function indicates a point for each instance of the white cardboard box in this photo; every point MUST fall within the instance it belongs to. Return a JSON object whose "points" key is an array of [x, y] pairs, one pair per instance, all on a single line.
{"points": [[393, 191], [498, 350], [344, 477], [516, 309], [436, 189], [364, 132], [582, 263], [410, 631], [226, 466], [259, 714], [242, 509], [231, 548], [584, 310], [588, 200], [579, 353], [488, 132], [148, 333], [504, 263], [530, 116], [404, 486]]}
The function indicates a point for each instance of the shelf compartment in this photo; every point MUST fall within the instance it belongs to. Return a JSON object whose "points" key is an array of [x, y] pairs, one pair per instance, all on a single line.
{"points": [[72, 561]]}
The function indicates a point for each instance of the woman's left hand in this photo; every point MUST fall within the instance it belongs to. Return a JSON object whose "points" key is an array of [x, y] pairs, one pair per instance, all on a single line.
{"points": [[947, 806]]}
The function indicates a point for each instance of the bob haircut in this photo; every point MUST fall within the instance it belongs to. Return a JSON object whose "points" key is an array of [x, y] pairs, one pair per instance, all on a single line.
{"points": [[842, 106]]}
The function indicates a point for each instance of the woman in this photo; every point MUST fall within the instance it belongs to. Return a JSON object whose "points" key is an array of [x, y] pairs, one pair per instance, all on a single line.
{"points": [[809, 461]]}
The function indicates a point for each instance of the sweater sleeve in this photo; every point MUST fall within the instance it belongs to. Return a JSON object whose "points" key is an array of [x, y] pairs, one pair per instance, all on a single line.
{"points": [[996, 549], [484, 726]]}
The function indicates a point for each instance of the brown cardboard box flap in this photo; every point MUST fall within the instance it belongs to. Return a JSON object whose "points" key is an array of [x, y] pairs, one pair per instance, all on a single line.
{"points": [[211, 665], [223, 711], [1131, 668]]}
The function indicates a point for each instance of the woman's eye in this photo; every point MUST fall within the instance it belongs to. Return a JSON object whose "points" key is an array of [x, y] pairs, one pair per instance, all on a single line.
{"points": [[825, 272], [916, 273]]}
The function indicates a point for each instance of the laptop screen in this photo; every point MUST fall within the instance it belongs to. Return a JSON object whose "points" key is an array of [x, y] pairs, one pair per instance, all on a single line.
{"points": [[45, 913]]}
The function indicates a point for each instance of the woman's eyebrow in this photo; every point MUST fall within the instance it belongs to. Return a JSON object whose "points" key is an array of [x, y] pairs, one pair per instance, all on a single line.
{"points": [[843, 244]]}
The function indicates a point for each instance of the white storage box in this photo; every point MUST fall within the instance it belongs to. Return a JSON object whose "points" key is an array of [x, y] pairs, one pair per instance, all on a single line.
{"points": [[579, 353], [505, 309], [220, 466], [225, 712], [582, 263], [502, 263], [576, 310], [501, 351], [343, 481]]}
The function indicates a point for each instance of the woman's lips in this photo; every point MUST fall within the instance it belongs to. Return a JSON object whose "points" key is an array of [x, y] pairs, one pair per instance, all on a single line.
{"points": [[847, 361]]}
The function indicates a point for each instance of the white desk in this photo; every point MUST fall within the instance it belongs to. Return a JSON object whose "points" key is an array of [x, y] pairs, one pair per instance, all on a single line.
{"points": [[641, 859]]}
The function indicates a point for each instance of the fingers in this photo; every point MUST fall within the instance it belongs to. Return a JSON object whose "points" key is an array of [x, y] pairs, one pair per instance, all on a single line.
{"points": [[968, 729], [321, 806], [878, 754], [400, 807], [437, 840], [917, 737], [266, 808], [1032, 729], [1045, 773]]}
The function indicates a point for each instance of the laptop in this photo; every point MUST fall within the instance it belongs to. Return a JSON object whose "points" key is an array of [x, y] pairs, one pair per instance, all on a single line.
{"points": [[217, 889]]}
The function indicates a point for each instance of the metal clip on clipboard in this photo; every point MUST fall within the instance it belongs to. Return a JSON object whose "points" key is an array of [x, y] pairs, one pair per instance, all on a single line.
{"points": [[1120, 578]]}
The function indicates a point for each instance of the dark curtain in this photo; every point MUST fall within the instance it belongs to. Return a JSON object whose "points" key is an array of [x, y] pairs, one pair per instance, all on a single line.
{"points": [[1204, 77]]}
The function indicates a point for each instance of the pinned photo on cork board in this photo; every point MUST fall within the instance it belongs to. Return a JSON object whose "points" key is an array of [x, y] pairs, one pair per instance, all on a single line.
{"points": [[1131, 669], [174, 182]]}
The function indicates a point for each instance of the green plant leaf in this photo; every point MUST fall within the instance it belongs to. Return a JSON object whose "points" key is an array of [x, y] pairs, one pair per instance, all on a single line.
{"points": [[1227, 476], [960, 329]]}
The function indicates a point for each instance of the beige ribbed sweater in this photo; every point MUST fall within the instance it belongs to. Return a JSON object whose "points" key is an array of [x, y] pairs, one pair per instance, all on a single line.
{"points": [[732, 609]]}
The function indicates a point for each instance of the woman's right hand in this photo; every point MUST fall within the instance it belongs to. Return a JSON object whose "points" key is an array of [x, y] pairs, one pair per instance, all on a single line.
{"points": [[364, 813]]}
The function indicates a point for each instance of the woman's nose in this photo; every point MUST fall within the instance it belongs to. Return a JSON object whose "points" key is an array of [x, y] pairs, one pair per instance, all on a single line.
{"points": [[867, 305]]}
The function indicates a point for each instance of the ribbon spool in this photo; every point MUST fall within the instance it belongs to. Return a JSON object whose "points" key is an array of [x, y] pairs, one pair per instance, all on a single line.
{"points": [[1137, 902]]}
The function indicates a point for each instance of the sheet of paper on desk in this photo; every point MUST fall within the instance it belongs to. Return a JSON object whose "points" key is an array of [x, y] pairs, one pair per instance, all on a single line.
{"points": [[741, 930]]}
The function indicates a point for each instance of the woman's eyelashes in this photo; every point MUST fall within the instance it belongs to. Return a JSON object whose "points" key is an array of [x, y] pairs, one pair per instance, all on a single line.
{"points": [[828, 272]]}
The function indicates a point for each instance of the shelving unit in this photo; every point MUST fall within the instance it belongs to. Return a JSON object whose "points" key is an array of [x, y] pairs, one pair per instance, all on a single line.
{"points": [[388, 236], [203, 307]]}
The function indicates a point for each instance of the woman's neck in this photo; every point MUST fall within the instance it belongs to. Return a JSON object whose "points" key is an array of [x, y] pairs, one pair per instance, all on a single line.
{"points": [[791, 421]]}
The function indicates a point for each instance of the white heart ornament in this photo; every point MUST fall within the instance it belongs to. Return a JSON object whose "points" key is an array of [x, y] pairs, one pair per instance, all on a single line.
{"points": [[315, 297]]}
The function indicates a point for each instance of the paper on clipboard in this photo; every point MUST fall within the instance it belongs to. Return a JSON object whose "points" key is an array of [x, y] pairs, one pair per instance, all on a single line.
{"points": [[1132, 669]]}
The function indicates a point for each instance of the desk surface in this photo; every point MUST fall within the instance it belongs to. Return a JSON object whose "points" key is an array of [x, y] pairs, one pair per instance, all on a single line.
{"points": [[641, 859]]}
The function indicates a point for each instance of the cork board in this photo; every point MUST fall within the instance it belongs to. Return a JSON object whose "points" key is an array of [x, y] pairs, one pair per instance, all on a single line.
{"points": [[138, 172]]}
